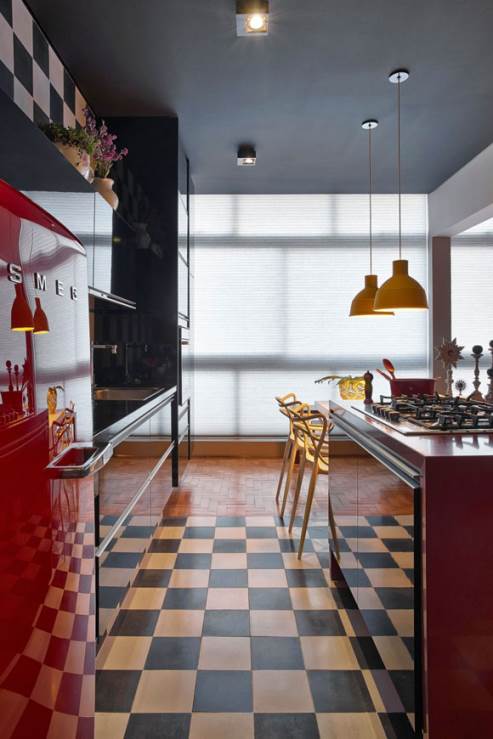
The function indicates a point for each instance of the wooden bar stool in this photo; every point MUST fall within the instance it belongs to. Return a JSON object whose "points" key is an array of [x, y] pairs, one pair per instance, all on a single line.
{"points": [[311, 435], [289, 405]]}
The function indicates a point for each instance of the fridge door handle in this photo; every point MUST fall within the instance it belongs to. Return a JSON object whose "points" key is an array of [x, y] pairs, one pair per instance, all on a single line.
{"points": [[79, 460]]}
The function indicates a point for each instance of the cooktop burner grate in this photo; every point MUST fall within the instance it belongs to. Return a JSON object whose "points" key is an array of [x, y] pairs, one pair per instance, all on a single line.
{"points": [[432, 414]]}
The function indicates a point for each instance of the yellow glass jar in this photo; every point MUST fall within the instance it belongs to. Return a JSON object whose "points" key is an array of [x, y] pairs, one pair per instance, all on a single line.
{"points": [[352, 388]]}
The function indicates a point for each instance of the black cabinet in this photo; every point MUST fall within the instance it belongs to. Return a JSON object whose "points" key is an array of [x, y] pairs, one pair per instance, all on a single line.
{"points": [[157, 206], [114, 261]]}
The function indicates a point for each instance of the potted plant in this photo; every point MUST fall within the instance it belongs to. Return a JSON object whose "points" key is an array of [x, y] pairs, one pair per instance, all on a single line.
{"points": [[104, 156], [76, 145]]}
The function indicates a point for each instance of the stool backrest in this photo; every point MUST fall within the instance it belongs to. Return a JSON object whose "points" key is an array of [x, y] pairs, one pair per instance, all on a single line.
{"points": [[289, 406], [311, 432]]}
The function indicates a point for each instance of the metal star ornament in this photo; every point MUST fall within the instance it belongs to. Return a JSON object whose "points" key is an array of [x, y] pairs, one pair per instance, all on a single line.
{"points": [[449, 352]]}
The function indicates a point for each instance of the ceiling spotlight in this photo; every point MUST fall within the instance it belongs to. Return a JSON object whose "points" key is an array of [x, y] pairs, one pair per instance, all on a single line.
{"points": [[247, 156], [252, 17]]}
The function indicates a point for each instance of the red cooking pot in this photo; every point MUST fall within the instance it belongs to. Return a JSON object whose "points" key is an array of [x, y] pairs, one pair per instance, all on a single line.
{"points": [[412, 386]]}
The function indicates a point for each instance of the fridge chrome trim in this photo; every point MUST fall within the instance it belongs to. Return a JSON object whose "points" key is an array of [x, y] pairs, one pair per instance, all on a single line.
{"points": [[95, 462], [138, 495]]}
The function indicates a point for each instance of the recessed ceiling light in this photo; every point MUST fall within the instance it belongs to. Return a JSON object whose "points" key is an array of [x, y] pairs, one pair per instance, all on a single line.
{"points": [[247, 156], [252, 17]]}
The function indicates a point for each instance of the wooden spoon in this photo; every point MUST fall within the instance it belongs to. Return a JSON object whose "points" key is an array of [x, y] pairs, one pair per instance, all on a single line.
{"points": [[389, 367], [384, 374]]}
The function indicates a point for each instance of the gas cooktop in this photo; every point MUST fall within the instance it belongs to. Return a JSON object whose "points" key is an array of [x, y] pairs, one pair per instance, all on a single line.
{"points": [[432, 414]]}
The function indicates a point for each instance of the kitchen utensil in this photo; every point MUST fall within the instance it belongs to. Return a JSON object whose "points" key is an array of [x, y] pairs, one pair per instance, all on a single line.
{"points": [[389, 367], [8, 364], [25, 374], [384, 374], [16, 373]]}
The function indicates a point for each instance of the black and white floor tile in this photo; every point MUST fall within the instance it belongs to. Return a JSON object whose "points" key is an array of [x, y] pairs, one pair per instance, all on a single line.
{"points": [[225, 632]]}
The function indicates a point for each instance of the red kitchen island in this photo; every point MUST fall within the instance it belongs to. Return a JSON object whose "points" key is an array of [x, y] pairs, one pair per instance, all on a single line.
{"points": [[412, 538]]}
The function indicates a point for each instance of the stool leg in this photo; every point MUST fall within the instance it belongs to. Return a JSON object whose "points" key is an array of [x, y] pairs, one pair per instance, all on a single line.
{"points": [[299, 484], [292, 459], [308, 507], [287, 449], [333, 530]]}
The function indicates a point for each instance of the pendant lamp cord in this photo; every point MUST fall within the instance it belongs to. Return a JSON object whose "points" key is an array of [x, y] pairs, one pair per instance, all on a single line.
{"points": [[370, 199], [399, 161]]}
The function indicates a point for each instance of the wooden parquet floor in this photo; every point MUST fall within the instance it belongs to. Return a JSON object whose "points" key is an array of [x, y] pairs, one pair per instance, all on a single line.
{"points": [[235, 487], [245, 487]]}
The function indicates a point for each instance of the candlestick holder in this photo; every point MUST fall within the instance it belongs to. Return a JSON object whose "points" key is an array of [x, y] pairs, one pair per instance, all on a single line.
{"points": [[477, 353], [489, 372]]}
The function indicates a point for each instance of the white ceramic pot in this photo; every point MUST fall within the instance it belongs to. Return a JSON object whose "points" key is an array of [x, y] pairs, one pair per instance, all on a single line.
{"points": [[77, 158], [104, 186]]}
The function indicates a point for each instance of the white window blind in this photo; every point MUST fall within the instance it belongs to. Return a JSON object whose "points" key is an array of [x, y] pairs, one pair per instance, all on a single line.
{"points": [[472, 306], [274, 278]]}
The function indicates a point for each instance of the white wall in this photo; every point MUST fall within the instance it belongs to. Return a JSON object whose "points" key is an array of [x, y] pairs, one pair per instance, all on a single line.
{"points": [[465, 199], [461, 202]]}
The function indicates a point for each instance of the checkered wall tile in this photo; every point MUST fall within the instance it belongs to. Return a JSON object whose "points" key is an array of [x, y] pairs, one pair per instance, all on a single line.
{"points": [[31, 73]]}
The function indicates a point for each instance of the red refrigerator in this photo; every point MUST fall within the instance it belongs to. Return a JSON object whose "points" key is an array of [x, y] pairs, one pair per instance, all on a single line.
{"points": [[47, 464]]}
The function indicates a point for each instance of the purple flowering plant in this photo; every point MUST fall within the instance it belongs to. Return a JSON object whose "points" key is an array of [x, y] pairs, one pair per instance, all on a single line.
{"points": [[106, 152]]}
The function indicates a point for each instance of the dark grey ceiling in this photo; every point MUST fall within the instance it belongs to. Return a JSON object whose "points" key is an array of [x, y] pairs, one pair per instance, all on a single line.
{"points": [[298, 94]]}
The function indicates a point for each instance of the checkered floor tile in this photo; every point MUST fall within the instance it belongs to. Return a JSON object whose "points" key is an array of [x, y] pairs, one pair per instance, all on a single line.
{"points": [[224, 632], [118, 565]]}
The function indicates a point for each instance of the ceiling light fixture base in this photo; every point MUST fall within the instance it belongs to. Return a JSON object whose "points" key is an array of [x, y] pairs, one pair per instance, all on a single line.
{"points": [[370, 124], [247, 156], [398, 76], [252, 17]]}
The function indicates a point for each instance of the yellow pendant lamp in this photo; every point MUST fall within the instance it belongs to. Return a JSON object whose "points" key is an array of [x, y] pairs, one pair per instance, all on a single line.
{"points": [[400, 292], [362, 304]]}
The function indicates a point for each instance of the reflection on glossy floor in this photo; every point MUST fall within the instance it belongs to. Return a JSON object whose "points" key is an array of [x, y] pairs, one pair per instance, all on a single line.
{"points": [[224, 632]]}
